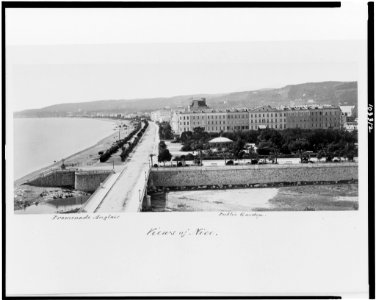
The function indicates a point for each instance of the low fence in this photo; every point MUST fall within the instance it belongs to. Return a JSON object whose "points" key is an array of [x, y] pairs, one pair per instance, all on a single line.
{"points": [[144, 190]]}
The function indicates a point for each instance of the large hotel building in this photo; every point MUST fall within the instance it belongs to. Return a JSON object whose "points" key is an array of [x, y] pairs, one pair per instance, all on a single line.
{"points": [[199, 114]]}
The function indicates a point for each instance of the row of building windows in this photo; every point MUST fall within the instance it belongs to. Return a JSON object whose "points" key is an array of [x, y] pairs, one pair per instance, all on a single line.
{"points": [[244, 116], [238, 116], [280, 126], [263, 121], [255, 127], [267, 115], [266, 121]]}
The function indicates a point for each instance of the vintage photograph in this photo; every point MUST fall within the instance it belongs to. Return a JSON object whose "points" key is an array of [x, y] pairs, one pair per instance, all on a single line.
{"points": [[187, 149], [184, 127]]}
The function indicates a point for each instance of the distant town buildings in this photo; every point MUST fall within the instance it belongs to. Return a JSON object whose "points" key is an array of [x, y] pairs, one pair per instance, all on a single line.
{"points": [[108, 115], [347, 110], [351, 126], [349, 120], [161, 116], [199, 114]]}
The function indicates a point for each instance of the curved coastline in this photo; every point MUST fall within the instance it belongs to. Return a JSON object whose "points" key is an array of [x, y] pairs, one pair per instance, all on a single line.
{"points": [[82, 156]]}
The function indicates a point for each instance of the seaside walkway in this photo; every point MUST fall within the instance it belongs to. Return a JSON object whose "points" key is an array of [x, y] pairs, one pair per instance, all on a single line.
{"points": [[123, 191]]}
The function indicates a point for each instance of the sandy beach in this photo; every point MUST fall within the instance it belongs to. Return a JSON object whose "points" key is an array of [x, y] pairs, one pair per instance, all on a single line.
{"points": [[85, 157], [26, 195]]}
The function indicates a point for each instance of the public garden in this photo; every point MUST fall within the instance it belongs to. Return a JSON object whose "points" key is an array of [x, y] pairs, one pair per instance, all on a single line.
{"points": [[264, 146]]}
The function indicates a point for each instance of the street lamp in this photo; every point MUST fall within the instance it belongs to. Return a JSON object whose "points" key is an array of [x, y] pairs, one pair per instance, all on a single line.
{"points": [[151, 159]]}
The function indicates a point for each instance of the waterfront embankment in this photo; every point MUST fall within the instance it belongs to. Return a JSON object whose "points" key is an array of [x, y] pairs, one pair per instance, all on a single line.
{"points": [[251, 175], [85, 157], [88, 158]]}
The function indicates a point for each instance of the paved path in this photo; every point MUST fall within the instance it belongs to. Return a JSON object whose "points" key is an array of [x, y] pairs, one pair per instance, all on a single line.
{"points": [[122, 193], [94, 201]]}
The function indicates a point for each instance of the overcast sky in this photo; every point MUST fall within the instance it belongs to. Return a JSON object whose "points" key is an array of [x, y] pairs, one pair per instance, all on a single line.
{"points": [[64, 55]]}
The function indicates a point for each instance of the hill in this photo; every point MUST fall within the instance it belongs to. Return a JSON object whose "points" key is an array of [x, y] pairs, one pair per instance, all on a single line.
{"points": [[329, 92]]}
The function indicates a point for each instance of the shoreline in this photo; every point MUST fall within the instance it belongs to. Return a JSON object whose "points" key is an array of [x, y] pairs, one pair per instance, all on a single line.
{"points": [[77, 157]]}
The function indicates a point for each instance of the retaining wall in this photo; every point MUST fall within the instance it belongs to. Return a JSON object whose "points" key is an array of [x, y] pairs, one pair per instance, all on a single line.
{"points": [[252, 174], [86, 181], [89, 181], [57, 178]]}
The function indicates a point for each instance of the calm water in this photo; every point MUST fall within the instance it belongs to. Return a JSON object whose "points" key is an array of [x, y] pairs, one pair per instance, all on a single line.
{"points": [[54, 206], [214, 200], [39, 142]]}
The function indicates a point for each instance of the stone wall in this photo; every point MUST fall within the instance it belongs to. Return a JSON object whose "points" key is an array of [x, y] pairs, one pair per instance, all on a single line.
{"points": [[56, 178], [86, 181], [89, 181], [252, 174]]}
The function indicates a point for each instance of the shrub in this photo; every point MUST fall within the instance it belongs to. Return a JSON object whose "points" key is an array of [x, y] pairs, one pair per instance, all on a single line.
{"points": [[186, 148]]}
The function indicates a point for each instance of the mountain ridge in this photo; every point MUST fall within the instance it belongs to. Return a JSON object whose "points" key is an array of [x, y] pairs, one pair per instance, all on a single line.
{"points": [[326, 92]]}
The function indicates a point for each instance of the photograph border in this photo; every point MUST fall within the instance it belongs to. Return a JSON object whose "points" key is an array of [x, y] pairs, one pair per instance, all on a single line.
{"points": [[226, 4]]}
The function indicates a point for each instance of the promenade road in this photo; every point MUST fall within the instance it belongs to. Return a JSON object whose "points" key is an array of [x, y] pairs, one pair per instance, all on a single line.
{"points": [[124, 193]]}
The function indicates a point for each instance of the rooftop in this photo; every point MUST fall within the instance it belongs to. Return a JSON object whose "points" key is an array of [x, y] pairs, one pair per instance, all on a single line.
{"points": [[220, 140]]}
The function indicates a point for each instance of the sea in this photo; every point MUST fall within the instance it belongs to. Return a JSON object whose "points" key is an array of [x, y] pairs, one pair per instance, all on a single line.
{"points": [[38, 142]]}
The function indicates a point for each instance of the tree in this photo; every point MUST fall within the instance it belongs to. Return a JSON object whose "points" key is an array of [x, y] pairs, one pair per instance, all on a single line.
{"points": [[320, 154], [350, 151], [329, 156], [199, 131], [165, 131], [271, 135], [264, 148], [164, 156], [238, 149], [186, 147], [251, 152], [185, 136], [298, 145], [275, 153], [199, 146], [162, 146], [285, 148]]}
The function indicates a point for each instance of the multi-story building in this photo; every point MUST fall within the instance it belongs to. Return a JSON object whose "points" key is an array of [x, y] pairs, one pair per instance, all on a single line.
{"points": [[202, 119], [267, 117], [305, 117], [237, 120], [183, 122], [313, 117], [211, 121]]}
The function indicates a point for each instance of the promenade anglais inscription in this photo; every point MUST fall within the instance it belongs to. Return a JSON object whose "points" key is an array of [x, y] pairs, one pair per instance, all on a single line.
{"points": [[104, 217]]}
